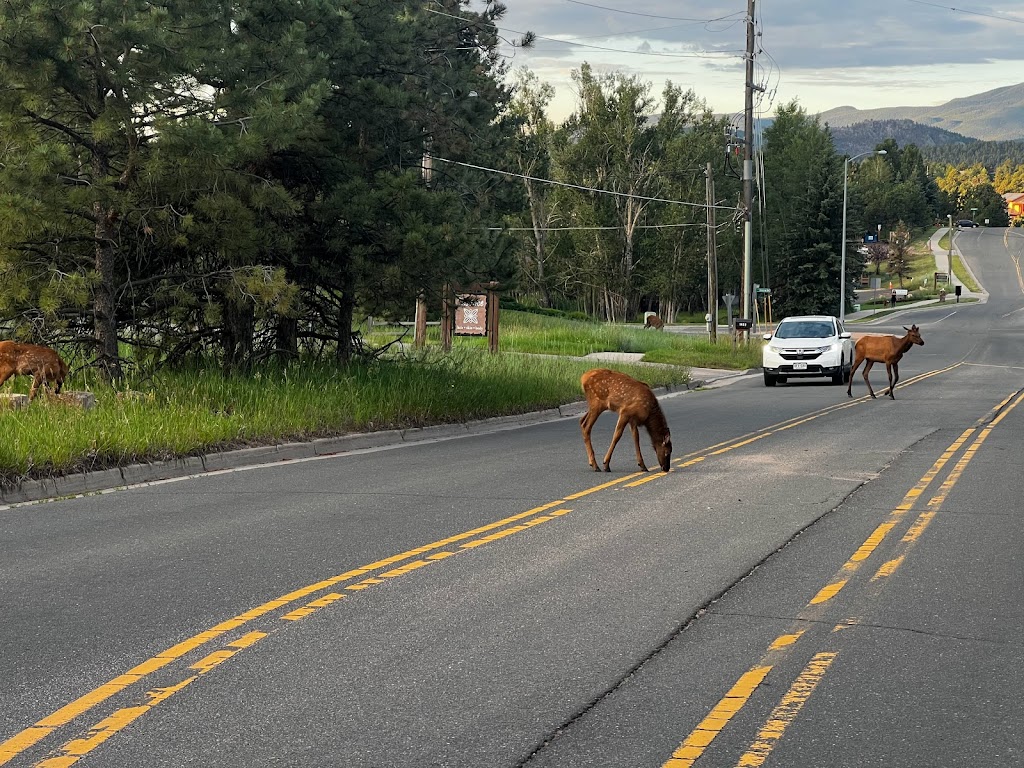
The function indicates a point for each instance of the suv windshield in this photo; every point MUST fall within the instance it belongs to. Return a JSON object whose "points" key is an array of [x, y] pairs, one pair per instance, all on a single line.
{"points": [[804, 329]]}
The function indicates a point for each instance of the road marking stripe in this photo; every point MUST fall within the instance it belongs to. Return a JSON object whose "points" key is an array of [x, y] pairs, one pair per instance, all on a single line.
{"points": [[31, 735], [75, 749], [693, 746], [787, 710], [701, 737]]}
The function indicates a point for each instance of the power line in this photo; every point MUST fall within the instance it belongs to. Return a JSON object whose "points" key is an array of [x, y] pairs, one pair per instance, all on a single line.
{"points": [[967, 12], [704, 55], [652, 15], [701, 224], [583, 188]]}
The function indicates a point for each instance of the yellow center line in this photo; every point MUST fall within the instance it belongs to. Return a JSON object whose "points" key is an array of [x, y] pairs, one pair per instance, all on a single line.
{"points": [[700, 738], [31, 735], [103, 730], [923, 520], [75, 749], [786, 711]]}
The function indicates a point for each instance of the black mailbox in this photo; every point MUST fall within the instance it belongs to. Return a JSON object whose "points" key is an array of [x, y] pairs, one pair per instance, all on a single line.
{"points": [[744, 324], [957, 289]]}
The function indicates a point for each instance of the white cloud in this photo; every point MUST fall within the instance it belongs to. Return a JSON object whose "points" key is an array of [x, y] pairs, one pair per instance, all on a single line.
{"points": [[862, 53]]}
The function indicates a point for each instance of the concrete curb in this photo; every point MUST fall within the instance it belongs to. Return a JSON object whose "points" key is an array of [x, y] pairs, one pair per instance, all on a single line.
{"points": [[84, 483]]}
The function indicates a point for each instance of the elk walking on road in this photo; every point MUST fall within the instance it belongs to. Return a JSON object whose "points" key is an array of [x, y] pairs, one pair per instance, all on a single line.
{"points": [[608, 390], [883, 349]]}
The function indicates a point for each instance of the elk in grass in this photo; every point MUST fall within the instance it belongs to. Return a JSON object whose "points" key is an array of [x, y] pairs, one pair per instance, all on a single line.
{"points": [[883, 349], [43, 364], [636, 405], [655, 322]]}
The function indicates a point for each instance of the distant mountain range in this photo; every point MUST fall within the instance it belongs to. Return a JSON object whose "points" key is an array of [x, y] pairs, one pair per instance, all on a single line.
{"points": [[996, 115], [865, 136]]}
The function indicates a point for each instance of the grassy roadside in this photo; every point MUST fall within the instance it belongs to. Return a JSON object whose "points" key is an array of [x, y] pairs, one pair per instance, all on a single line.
{"points": [[183, 413], [921, 280]]}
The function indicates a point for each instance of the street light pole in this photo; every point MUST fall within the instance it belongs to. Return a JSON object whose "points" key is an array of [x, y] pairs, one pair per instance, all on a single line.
{"points": [[949, 255], [842, 259]]}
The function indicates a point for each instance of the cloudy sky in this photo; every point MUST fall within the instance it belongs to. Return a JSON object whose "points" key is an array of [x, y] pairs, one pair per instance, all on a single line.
{"points": [[823, 53]]}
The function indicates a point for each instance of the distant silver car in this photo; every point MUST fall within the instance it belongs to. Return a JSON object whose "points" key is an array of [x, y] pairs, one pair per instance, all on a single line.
{"points": [[806, 346]]}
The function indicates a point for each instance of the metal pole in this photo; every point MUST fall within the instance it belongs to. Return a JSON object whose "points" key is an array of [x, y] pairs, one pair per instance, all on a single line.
{"points": [[842, 250], [949, 256], [712, 266], [842, 247]]}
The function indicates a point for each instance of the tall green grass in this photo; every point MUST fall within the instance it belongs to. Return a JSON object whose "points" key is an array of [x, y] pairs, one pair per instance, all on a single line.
{"points": [[191, 412], [540, 334], [186, 412]]}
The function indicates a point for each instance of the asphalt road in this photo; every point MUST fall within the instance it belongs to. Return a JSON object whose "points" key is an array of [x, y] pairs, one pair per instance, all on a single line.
{"points": [[820, 581]]}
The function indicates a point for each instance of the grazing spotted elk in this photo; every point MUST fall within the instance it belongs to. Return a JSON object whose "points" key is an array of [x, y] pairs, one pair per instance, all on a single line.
{"points": [[43, 364], [883, 349], [655, 322], [636, 405]]}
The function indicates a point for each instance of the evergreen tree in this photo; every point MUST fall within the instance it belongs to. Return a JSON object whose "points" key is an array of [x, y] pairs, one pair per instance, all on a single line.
{"points": [[802, 224]]}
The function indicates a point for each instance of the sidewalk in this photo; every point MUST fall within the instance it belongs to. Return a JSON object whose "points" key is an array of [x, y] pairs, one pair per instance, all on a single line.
{"points": [[941, 265], [699, 377]]}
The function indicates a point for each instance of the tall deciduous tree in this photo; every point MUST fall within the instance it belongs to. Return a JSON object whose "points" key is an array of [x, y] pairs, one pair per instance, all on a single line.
{"points": [[532, 158], [611, 145], [688, 137]]}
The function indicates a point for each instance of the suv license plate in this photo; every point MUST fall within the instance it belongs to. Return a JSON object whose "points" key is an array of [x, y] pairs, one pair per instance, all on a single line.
{"points": [[799, 366]]}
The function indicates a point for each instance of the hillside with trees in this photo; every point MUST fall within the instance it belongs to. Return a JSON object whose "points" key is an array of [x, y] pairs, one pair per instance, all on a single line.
{"points": [[990, 154], [864, 136], [996, 115]]}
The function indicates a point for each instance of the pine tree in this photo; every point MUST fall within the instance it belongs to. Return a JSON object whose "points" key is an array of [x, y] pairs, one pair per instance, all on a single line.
{"points": [[803, 214]]}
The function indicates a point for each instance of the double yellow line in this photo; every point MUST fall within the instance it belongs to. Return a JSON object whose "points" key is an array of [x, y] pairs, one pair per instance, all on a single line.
{"points": [[698, 740], [361, 578]]}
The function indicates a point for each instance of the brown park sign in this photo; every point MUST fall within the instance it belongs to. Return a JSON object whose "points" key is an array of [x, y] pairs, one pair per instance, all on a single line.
{"points": [[471, 315]]}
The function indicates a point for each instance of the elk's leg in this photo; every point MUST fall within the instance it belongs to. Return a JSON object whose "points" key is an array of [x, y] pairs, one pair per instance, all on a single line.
{"points": [[867, 370], [894, 377], [636, 442], [856, 364], [37, 380], [620, 427], [587, 421], [5, 373]]}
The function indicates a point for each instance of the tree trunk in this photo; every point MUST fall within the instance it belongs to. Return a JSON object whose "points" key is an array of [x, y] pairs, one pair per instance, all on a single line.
{"points": [[237, 335], [346, 310], [286, 347], [104, 302]]}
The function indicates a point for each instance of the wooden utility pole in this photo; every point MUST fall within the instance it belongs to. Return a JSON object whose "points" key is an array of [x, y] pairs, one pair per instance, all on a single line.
{"points": [[748, 164], [712, 257]]}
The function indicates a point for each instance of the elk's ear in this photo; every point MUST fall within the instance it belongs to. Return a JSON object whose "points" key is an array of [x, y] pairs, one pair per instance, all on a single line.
{"points": [[905, 328]]}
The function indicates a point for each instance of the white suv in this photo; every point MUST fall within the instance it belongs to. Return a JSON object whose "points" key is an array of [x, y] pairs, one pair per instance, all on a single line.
{"points": [[807, 346]]}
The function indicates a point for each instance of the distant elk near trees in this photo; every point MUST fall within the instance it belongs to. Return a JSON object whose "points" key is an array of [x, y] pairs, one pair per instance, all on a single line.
{"points": [[883, 349], [636, 405], [655, 322], [43, 364]]}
